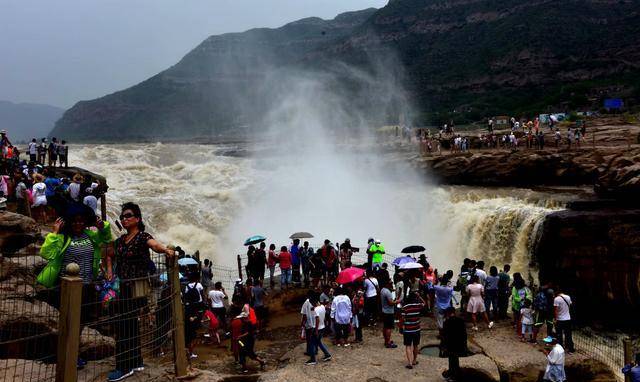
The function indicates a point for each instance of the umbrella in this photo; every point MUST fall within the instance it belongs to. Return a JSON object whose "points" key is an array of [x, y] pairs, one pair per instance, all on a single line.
{"points": [[301, 235], [187, 261], [411, 266], [349, 275], [413, 249], [254, 240], [403, 260]]}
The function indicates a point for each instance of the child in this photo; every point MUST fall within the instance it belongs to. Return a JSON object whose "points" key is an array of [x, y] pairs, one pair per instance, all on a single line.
{"points": [[526, 314], [213, 325]]}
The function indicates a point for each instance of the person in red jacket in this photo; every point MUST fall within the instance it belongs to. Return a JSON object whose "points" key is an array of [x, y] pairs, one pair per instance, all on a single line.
{"points": [[285, 268]]}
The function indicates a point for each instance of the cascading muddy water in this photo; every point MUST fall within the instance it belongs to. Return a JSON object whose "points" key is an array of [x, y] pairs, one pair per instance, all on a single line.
{"points": [[194, 197]]}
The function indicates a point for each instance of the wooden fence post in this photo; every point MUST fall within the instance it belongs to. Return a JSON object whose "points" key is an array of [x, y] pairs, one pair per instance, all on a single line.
{"points": [[628, 356], [239, 267], [179, 346], [69, 325], [103, 206]]}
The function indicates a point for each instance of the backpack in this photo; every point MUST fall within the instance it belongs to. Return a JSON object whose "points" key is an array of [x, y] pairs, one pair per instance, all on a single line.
{"points": [[192, 296], [540, 302]]}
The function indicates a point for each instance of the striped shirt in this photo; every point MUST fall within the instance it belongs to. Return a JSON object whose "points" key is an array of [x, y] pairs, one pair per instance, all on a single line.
{"points": [[80, 251], [411, 317]]}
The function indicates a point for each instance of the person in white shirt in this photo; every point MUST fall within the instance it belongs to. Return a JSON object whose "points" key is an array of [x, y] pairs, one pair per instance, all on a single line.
{"points": [[482, 275], [216, 299], [555, 363], [308, 324], [370, 298], [320, 312], [562, 304], [341, 313], [33, 151]]}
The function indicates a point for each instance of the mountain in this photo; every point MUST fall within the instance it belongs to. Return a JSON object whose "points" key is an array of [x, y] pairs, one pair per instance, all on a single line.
{"points": [[461, 59], [24, 121]]}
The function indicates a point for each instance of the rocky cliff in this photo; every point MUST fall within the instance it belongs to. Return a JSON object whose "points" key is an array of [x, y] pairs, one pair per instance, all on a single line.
{"points": [[458, 58], [594, 255]]}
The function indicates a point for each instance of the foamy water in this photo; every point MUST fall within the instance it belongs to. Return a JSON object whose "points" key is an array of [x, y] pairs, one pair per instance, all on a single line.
{"points": [[194, 197]]}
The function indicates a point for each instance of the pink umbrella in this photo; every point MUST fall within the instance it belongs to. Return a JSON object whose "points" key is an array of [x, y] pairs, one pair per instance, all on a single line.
{"points": [[349, 275]]}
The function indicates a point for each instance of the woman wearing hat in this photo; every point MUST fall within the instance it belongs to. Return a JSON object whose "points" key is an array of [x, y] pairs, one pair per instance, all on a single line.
{"points": [[75, 187], [133, 265]]}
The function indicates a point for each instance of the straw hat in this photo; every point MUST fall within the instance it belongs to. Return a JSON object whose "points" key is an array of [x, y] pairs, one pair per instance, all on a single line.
{"points": [[37, 177], [78, 178]]}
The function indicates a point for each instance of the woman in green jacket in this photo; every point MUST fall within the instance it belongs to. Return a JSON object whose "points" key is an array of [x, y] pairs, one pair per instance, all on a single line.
{"points": [[519, 294], [72, 241]]}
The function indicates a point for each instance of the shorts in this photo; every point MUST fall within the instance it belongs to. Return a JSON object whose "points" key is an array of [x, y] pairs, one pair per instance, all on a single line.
{"points": [[388, 320], [411, 339], [527, 329]]}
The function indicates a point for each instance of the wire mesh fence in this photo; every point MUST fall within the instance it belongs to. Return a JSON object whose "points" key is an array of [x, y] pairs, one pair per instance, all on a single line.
{"points": [[28, 319], [132, 329], [606, 348]]}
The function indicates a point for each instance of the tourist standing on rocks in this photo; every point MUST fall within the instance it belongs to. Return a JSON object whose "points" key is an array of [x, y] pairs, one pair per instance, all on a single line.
{"points": [[251, 260], [308, 324], [555, 363], [63, 154], [21, 194], [475, 290], [454, 343], [562, 304], [526, 317], [33, 151], [73, 241], [243, 339], [216, 299], [285, 267], [193, 297], [258, 296], [519, 293], [377, 251], [295, 261], [133, 264], [543, 311], [206, 275], [39, 195], [370, 298], [633, 370], [271, 263], [260, 261], [504, 291], [305, 261], [358, 313], [491, 292], [388, 318], [341, 313], [53, 152], [444, 294], [320, 316], [411, 312]]}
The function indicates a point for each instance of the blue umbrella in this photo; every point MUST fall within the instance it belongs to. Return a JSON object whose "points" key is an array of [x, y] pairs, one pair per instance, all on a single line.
{"points": [[187, 261], [254, 240], [403, 260]]}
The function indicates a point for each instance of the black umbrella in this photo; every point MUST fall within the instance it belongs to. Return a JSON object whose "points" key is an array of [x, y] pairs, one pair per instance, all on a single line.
{"points": [[301, 235], [413, 249]]}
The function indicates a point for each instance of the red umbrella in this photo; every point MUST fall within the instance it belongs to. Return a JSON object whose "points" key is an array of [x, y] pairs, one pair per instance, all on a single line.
{"points": [[350, 275]]}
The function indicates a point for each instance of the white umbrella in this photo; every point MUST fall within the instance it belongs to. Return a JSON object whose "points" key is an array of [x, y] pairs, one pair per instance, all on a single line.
{"points": [[411, 266]]}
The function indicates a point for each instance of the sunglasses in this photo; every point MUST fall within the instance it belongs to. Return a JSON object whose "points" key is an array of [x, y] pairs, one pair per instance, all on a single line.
{"points": [[126, 216]]}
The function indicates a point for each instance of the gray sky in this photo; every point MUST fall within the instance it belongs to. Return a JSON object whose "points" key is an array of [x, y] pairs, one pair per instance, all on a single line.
{"points": [[63, 51]]}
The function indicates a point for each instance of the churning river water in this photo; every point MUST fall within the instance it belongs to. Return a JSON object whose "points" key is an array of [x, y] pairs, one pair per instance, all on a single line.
{"points": [[200, 198]]}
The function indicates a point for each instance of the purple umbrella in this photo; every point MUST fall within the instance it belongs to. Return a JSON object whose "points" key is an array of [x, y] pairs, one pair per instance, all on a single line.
{"points": [[403, 260]]}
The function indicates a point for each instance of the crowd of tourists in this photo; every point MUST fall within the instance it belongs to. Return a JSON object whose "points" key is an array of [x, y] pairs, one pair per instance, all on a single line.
{"points": [[31, 182], [518, 134]]}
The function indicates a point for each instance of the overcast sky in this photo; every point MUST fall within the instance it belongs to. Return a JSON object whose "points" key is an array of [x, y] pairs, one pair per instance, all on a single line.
{"points": [[62, 51]]}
